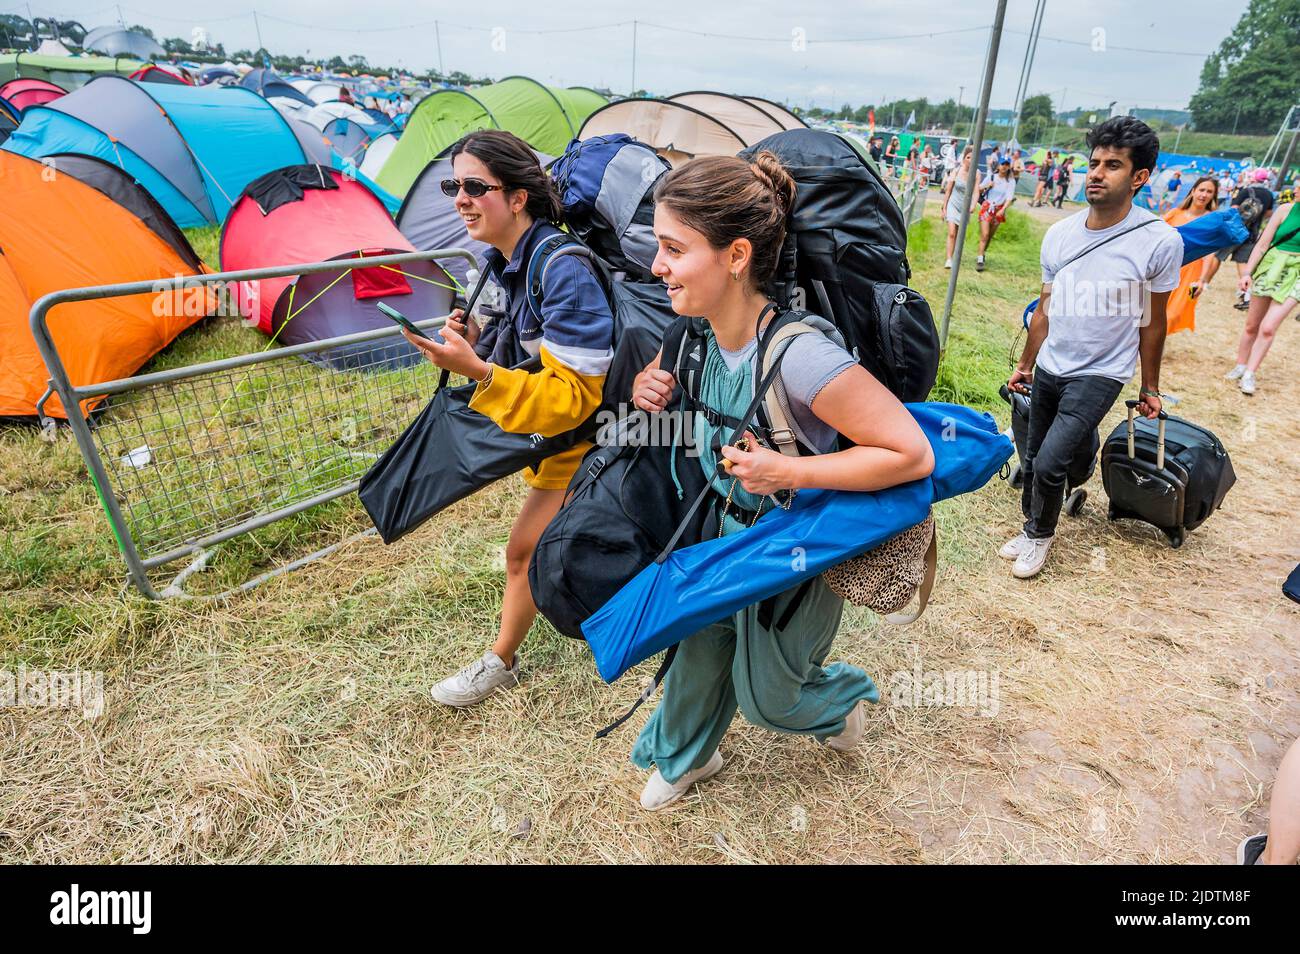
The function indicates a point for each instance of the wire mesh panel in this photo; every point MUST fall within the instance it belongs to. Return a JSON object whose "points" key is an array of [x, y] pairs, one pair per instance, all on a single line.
{"points": [[189, 458], [186, 458]]}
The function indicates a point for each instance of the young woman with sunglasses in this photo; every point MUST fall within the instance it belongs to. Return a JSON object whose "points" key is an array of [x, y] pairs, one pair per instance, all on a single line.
{"points": [[720, 222], [508, 201]]}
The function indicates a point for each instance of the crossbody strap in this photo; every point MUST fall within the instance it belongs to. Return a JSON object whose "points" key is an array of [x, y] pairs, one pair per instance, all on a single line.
{"points": [[445, 376], [1092, 248]]}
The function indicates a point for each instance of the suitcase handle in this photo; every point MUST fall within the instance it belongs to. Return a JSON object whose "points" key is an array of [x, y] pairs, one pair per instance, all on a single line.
{"points": [[1160, 434]]}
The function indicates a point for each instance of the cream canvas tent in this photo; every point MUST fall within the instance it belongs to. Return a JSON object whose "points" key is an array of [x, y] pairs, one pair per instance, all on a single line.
{"points": [[747, 120], [676, 131]]}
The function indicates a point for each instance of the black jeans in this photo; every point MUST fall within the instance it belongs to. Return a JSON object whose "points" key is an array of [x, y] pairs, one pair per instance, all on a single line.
{"points": [[1062, 444]]}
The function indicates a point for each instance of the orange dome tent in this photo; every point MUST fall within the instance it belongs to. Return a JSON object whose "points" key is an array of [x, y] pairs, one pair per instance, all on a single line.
{"points": [[63, 230]]}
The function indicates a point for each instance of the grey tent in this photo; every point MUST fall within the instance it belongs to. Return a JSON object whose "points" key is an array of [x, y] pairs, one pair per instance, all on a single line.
{"points": [[429, 219], [347, 138], [313, 143], [119, 41]]}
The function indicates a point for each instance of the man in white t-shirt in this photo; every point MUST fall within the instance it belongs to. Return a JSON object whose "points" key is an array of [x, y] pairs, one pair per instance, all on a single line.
{"points": [[1107, 274]]}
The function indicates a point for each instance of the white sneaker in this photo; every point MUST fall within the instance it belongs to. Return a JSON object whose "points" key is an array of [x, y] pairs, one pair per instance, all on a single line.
{"points": [[1247, 382], [1014, 547], [1032, 557], [476, 681], [659, 794], [855, 723], [1236, 373], [948, 264]]}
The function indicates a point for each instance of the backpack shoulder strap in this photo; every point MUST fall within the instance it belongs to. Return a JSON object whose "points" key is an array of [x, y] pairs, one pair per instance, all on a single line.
{"points": [[546, 252], [785, 432]]}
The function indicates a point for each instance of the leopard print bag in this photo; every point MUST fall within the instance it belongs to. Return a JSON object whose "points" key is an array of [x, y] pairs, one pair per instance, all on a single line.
{"points": [[885, 579]]}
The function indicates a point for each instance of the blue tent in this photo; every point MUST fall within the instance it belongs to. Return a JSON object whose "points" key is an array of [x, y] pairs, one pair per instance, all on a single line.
{"points": [[194, 149]]}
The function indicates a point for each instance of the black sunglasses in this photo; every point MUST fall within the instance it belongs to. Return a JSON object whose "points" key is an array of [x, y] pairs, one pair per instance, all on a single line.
{"points": [[474, 188]]}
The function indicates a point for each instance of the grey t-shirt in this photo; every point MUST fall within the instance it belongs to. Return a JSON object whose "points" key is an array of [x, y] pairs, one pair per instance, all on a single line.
{"points": [[811, 363]]}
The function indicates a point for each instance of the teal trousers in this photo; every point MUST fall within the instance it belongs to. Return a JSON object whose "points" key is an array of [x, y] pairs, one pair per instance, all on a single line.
{"points": [[776, 679]]}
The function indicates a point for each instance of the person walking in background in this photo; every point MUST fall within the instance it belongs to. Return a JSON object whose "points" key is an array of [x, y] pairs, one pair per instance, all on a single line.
{"points": [[891, 155], [1273, 273], [1172, 188], [1195, 276], [1225, 186], [876, 150], [1254, 203], [1063, 173], [928, 164], [1107, 274], [957, 204], [1042, 192], [993, 211], [948, 156]]}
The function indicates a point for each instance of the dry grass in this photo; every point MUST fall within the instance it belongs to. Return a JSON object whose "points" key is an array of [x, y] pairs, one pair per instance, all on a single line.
{"points": [[1145, 693]]}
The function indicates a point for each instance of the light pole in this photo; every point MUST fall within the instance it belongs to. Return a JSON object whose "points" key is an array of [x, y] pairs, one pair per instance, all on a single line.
{"points": [[977, 140]]}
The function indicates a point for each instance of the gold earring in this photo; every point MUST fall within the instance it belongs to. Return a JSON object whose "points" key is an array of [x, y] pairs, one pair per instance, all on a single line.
{"points": [[735, 276]]}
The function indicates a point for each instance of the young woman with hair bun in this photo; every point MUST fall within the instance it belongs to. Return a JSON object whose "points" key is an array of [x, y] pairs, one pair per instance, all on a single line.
{"points": [[720, 223]]}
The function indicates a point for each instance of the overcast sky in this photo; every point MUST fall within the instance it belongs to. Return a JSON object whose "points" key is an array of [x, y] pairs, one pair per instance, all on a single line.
{"points": [[851, 52]]}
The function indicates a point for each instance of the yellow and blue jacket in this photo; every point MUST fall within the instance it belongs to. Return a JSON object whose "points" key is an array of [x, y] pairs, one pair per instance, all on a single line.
{"points": [[574, 339]]}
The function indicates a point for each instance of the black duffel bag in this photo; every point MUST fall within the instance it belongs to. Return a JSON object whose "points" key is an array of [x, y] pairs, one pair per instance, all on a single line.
{"points": [[447, 453], [621, 511]]}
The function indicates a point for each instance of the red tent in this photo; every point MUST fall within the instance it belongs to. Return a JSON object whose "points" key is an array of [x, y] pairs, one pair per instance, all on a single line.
{"points": [[312, 213], [26, 91]]}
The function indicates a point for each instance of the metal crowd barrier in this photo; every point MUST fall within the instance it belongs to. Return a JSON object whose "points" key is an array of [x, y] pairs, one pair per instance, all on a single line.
{"points": [[188, 458]]}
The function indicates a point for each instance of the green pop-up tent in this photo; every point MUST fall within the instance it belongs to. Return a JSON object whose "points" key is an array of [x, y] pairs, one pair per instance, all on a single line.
{"points": [[70, 72], [545, 117]]}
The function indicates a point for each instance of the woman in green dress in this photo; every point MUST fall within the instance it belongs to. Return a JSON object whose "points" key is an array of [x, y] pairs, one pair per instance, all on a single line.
{"points": [[720, 222]]}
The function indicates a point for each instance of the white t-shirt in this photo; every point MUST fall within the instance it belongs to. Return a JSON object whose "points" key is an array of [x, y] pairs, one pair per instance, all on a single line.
{"points": [[1001, 191], [1097, 303]]}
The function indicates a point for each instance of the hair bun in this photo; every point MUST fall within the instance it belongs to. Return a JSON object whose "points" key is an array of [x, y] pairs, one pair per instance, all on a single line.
{"points": [[769, 170]]}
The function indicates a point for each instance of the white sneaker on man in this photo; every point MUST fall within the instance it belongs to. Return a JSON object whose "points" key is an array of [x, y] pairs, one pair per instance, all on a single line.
{"points": [[659, 793], [948, 264], [855, 723], [476, 681], [1012, 549], [1247, 382], [1032, 557], [1236, 373]]}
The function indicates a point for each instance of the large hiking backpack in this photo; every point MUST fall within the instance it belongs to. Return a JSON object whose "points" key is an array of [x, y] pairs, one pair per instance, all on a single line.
{"points": [[606, 187], [845, 259]]}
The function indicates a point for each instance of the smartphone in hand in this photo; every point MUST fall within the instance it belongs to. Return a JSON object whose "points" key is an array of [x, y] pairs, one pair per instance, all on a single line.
{"points": [[399, 318]]}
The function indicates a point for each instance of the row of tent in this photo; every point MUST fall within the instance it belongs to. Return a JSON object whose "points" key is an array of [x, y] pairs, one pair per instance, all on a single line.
{"points": [[680, 126], [163, 155]]}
